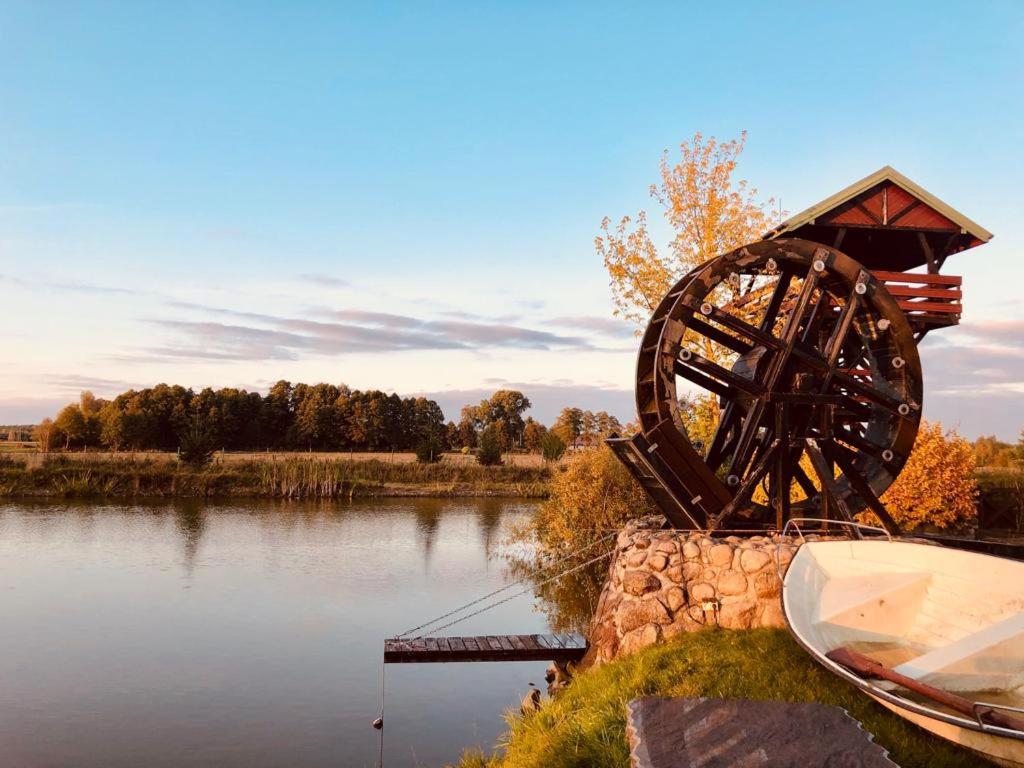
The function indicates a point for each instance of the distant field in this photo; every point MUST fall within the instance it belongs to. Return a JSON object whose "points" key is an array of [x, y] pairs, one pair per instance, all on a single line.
{"points": [[35, 458]]}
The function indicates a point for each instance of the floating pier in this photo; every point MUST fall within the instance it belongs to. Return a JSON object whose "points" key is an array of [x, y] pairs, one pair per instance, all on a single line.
{"points": [[422, 650]]}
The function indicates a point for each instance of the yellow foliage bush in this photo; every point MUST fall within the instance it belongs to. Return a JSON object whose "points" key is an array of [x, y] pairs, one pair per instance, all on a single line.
{"points": [[937, 486], [591, 495]]}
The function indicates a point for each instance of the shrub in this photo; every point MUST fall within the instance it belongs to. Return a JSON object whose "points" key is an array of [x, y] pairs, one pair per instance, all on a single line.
{"points": [[591, 496], [551, 446], [429, 450], [937, 487], [489, 453], [197, 446]]}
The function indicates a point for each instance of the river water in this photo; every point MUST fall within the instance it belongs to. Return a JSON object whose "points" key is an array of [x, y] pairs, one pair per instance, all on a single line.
{"points": [[248, 634]]}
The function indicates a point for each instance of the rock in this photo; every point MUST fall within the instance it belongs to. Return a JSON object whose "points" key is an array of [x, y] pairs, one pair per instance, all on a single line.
{"points": [[530, 703], [640, 582], [658, 562], [692, 570], [732, 582], [675, 598], [684, 622], [720, 554], [753, 560], [701, 592], [786, 552], [772, 616], [767, 584], [636, 559], [691, 551], [636, 613], [739, 615], [667, 547], [642, 543], [675, 574], [639, 638]]}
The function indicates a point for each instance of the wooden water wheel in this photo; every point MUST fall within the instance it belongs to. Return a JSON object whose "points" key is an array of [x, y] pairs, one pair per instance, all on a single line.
{"points": [[810, 370]]}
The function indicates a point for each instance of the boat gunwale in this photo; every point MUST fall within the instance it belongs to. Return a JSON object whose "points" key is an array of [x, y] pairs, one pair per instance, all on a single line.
{"points": [[875, 691]]}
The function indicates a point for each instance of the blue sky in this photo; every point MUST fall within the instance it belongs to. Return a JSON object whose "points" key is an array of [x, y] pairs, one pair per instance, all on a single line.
{"points": [[226, 194]]}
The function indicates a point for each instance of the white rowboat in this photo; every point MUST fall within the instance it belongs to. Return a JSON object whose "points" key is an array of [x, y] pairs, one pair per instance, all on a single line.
{"points": [[934, 617]]}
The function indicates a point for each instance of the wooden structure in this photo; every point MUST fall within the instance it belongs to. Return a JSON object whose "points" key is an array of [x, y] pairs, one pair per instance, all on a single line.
{"points": [[557, 647], [807, 338]]}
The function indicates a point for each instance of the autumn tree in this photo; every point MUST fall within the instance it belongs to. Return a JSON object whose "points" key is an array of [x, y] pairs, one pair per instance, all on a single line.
{"points": [[533, 433], [708, 211], [937, 487], [70, 424]]}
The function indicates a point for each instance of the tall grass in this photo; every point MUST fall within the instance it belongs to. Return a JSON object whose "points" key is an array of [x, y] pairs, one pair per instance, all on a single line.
{"points": [[292, 478]]}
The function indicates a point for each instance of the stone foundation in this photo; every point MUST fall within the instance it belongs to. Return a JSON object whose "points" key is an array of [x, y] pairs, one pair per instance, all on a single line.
{"points": [[661, 583]]}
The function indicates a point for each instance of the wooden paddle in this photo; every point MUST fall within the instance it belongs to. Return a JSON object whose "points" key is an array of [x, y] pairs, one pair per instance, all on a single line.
{"points": [[868, 667]]}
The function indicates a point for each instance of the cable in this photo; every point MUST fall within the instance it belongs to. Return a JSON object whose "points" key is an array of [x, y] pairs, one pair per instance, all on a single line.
{"points": [[505, 588], [520, 594]]}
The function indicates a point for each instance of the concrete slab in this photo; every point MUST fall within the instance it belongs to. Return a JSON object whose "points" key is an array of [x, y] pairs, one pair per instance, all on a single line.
{"points": [[736, 733]]}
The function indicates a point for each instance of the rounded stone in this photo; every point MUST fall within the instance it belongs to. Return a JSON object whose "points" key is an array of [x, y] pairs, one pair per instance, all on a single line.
{"points": [[636, 559], [639, 638], [766, 584], [676, 599], [691, 551], [732, 582], [658, 562], [636, 613], [675, 574], [640, 583], [753, 560], [720, 554], [692, 570], [738, 615], [642, 543], [701, 592], [667, 547]]}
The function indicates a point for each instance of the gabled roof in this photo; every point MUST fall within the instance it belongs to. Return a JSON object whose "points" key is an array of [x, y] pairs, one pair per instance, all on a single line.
{"points": [[889, 174]]}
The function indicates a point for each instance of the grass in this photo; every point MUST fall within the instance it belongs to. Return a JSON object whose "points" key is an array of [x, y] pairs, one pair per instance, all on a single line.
{"points": [[584, 727], [292, 478]]}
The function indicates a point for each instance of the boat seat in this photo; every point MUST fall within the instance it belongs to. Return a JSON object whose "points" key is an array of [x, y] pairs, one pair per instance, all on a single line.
{"points": [[991, 659], [877, 606]]}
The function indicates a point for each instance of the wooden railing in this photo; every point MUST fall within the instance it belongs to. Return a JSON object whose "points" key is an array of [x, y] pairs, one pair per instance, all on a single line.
{"points": [[926, 298]]}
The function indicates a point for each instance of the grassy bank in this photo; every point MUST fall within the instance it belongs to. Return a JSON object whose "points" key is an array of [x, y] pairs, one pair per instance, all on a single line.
{"points": [[291, 478], [585, 726]]}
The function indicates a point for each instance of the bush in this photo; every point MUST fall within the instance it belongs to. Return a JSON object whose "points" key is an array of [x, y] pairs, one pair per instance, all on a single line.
{"points": [[489, 452], [197, 446], [551, 447], [591, 496], [429, 450], [937, 487]]}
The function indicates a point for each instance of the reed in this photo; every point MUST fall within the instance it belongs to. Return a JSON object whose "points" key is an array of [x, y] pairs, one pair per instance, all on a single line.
{"points": [[289, 478]]}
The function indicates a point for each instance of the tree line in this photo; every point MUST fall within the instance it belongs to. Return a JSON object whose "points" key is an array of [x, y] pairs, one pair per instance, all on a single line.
{"points": [[322, 417]]}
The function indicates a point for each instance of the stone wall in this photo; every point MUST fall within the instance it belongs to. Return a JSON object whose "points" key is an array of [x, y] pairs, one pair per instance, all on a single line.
{"points": [[661, 583]]}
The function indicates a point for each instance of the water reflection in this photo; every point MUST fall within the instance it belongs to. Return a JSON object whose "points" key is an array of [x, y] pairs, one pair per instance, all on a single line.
{"points": [[247, 634]]}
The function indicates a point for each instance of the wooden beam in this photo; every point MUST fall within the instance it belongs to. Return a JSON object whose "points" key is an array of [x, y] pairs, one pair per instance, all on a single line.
{"points": [[928, 255]]}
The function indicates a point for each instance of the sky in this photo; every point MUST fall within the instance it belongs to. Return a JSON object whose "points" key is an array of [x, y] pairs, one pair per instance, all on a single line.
{"points": [[405, 196]]}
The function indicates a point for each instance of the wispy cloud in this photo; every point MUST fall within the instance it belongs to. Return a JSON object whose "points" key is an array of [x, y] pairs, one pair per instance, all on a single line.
{"points": [[73, 286], [606, 326], [323, 279]]}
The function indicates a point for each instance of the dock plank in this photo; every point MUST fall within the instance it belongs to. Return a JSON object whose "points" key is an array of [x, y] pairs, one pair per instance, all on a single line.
{"points": [[553, 647]]}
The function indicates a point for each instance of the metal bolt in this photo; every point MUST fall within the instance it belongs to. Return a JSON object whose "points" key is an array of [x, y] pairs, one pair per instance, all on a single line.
{"points": [[732, 480], [904, 409], [771, 265], [685, 355], [887, 455], [819, 265], [883, 324], [705, 308], [897, 362], [860, 289]]}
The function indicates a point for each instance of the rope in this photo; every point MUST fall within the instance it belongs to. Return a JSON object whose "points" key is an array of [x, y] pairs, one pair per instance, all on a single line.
{"points": [[380, 759], [505, 588], [579, 567]]}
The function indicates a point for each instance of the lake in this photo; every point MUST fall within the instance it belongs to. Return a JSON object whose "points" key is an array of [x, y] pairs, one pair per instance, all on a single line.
{"points": [[248, 633]]}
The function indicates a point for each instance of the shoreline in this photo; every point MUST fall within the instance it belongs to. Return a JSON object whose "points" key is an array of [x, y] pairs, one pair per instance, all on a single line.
{"points": [[288, 478]]}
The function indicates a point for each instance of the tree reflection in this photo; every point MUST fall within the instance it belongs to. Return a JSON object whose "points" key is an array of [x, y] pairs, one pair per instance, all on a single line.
{"points": [[190, 520]]}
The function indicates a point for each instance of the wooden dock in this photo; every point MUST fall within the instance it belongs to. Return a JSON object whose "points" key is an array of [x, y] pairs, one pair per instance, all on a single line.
{"points": [[557, 647]]}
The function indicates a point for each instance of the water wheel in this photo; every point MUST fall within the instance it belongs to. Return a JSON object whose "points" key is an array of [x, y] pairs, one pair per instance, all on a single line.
{"points": [[809, 371]]}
